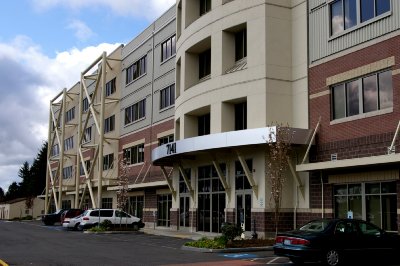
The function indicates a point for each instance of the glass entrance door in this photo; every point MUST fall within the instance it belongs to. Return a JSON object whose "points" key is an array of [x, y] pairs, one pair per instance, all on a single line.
{"points": [[243, 210], [184, 211]]}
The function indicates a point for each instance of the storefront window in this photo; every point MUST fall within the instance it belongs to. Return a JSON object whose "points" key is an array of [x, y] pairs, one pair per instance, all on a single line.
{"points": [[373, 202]]}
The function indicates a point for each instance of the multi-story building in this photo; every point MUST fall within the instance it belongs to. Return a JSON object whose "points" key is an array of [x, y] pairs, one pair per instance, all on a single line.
{"points": [[241, 68], [353, 104]]}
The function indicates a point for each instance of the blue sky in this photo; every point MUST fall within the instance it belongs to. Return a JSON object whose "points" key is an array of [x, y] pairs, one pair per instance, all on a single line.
{"points": [[44, 45]]}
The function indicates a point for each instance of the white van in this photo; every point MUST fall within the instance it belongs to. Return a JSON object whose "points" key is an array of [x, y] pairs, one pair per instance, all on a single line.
{"points": [[93, 217]]}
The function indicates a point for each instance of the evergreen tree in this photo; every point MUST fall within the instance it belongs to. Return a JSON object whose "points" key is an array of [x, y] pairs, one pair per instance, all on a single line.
{"points": [[14, 191], [38, 171], [25, 174], [1, 194]]}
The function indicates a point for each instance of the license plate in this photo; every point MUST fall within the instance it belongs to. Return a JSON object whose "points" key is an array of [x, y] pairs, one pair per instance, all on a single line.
{"points": [[286, 242]]}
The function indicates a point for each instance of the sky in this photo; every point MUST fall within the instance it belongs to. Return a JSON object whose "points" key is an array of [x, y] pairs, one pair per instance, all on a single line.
{"points": [[44, 45]]}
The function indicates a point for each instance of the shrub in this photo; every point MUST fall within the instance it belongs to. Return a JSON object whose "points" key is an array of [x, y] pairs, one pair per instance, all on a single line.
{"points": [[231, 231], [204, 242], [106, 224]]}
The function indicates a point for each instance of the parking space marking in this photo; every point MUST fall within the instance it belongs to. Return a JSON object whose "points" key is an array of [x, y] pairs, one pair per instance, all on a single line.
{"points": [[273, 260], [2, 263]]}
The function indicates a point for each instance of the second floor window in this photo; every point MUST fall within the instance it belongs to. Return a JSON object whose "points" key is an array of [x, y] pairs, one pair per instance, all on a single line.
{"points": [[167, 96], [110, 87], [108, 161], [363, 95], [205, 64], [134, 154], [203, 126], [85, 103], [69, 143], [136, 70], [87, 164], [168, 48], [166, 139], [345, 14], [135, 112], [70, 114], [55, 150], [241, 116], [109, 124]]}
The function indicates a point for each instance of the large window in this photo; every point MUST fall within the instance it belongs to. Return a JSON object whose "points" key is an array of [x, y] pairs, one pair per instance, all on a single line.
{"points": [[108, 161], [164, 204], [168, 48], [241, 116], [345, 14], [167, 96], [67, 172], [136, 70], [203, 125], [136, 205], [166, 139], [205, 6], [135, 112], [87, 135], [134, 154], [70, 114], [107, 203], [109, 124], [373, 202], [69, 143], [367, 94], [205, 64], [110, 87], [240, 44]]}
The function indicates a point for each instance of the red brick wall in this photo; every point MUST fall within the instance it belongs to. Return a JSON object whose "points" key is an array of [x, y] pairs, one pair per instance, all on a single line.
{"points": [[148, 172], [375, 132]]}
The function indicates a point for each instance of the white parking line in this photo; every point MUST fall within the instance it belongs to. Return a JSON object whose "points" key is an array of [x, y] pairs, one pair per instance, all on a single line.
{"points": [[273, 260]]}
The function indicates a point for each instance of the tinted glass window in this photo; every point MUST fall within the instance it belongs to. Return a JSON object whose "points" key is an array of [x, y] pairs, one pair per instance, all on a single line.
{"points": [[94, 213], [350, 13], [382, 6], [367, 9], [369, 229], [339, 97], [315, 226], [353, 102], [106, 213], [121, 214]]}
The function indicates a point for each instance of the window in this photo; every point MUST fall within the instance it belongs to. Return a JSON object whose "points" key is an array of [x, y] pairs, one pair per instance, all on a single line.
{"points": [[134, 154], [203, 125], [136, 70], [108, 161], [69, 143], [67, 172], [135, 206], [344, 14], [107, 203], [70, 114], [165, 140], [164, 204], [135, 112], [367, 94], [87, 164], [85, 103], [373, 202], [205, 64], [87, 135], [110, 87], [167, 96], [55, 150], [241, 45], [205, 6], [241, 116], [168, 48], [109, 124]]}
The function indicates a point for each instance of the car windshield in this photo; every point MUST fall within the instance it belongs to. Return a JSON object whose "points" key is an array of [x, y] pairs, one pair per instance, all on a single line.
{"points": [[315, 226]]}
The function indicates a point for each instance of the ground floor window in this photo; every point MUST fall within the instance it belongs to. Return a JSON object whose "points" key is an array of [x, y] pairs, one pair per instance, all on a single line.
{"points": [[107, 203], [135, 206], [87, 204], [66, 204], [164, 204], [373, 202]]}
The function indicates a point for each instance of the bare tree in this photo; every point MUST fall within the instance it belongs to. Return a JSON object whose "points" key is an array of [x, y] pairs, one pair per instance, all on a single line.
{"points": [[277, 163], [123, 182]]}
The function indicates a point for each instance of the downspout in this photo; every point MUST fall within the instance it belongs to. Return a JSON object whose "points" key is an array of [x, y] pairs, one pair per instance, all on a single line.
{"points": [[322, 195]]}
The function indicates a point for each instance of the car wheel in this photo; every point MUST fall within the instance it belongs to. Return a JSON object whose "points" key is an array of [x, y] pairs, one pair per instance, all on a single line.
{"points": [[297, 261], [332, 257], [76, 226], [135, 226]]}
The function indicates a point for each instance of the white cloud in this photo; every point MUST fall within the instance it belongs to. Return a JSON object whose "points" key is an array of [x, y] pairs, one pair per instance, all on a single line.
{"points": [[30, 79], [149, 9], [82, 31]]}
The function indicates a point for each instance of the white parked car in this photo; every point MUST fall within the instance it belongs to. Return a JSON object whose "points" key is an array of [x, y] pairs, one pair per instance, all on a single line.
{"points": [[91, 218], [73, 223]]}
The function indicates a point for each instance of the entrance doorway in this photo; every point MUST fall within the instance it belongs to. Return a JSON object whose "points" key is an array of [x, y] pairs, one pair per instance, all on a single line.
{"points": [[243, 196]]}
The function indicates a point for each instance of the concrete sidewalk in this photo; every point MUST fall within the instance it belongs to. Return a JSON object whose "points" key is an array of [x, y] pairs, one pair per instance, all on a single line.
{"points": [[178, 234]]}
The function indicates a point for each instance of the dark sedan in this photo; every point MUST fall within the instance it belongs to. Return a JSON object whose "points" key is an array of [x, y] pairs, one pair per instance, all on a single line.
{"points": [[333, 241], [52, 218]]}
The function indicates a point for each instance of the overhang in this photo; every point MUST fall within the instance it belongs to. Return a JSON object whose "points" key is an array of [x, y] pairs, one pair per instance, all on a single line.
{"points": [[350, 163], [167, 154], [141, 185]]}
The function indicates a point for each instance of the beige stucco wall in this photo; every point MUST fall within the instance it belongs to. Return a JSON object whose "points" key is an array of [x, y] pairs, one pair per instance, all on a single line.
{"points": [[18, 209]]}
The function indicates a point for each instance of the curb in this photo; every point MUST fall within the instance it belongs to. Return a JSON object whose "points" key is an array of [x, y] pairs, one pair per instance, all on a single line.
{"points": [[227, 250]]}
